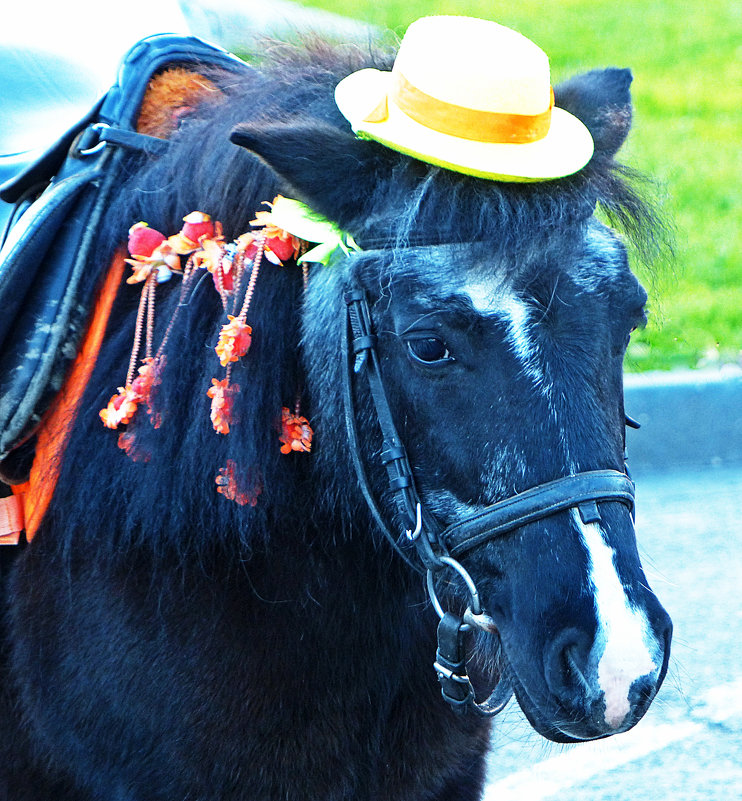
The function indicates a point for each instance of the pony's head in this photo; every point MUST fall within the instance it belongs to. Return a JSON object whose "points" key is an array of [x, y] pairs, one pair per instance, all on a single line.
{"points": [[502, 312]]}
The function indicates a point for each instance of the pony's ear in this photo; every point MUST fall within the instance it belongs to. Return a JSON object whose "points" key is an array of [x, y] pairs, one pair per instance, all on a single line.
{"points": [[602, 100], [327, 168]]}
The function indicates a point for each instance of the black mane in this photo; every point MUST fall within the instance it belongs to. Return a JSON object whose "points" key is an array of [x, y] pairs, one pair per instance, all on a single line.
{"points": [[380, 196], [399, 200]]}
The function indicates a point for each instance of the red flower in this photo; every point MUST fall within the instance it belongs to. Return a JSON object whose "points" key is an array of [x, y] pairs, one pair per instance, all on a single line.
{"points": [[234, 341], [242, 487], [296, 433], [197, 225], [222, 402], [284, 246], [143, 240], [279, 243], [121, 408], [197, 229]]}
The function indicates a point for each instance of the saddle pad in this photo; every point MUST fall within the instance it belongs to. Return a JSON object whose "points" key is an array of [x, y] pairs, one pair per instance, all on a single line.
{"points": [[60, 201]]}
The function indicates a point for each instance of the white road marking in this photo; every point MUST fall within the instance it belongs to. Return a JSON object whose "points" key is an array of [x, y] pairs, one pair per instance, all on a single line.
{"points": [[586, 760]]}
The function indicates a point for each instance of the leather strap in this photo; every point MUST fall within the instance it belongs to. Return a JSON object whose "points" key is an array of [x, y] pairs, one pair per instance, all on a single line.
{"points": [[354, 445], [393, 453], [583, 490], [450, 663], [57, 424]]}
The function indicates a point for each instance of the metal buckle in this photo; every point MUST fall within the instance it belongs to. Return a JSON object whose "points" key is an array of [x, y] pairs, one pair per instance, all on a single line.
{"points": [[447, 673], [96, 148], [409, 533]]}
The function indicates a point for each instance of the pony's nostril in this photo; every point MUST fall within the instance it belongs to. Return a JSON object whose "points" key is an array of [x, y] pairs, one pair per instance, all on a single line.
{"points": [[641, 694], [565, 663]]}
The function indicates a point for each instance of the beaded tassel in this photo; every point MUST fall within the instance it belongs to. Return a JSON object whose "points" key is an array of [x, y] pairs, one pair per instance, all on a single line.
{"points": [[154, 259]]}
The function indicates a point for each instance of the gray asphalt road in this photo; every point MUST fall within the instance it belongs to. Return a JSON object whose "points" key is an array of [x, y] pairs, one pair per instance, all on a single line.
{"points": [[689, 745]]}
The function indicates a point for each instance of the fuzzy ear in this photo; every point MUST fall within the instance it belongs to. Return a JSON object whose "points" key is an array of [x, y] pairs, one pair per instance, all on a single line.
{"points": [[329, 169], [602, 100]]}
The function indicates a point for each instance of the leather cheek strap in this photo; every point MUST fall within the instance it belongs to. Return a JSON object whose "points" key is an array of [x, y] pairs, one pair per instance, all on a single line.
{"points": [[583, 491]]}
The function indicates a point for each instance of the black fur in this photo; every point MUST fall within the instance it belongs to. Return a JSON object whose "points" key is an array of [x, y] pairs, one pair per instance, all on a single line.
{"points": [[167, 643]]}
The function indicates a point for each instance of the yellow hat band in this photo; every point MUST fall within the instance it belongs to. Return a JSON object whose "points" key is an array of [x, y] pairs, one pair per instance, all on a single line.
{"points": [[465, 123]]}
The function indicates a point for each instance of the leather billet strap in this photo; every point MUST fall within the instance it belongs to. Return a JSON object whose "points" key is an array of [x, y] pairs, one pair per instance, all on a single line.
{"points": [[583, 490], [359, 353], [450, 662], [450, 667]]}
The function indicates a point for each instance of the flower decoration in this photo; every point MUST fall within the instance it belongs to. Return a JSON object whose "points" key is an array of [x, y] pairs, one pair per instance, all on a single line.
{"points": [[234, 340], [242, 487], [121, 408], [219, 260], [197, 226], [148, 376], [296, 433], [280, 234], [150, 251], [222, 403], [296, 218], [280, 245], [143, 240]]}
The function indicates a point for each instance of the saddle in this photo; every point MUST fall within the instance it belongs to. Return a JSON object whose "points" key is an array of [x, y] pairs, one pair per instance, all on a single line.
{"points": [[52, 210]]}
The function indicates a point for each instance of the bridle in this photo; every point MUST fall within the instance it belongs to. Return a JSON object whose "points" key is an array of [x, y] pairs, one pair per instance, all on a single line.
{"points": [[439, 549]]}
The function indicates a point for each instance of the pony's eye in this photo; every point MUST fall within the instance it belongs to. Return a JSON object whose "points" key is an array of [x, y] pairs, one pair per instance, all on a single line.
{"points": [[428, 350]]}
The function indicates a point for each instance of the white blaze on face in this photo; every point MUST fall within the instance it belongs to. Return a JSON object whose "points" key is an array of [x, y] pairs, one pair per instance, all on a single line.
{"points": [[625, 648], [492, 298]]}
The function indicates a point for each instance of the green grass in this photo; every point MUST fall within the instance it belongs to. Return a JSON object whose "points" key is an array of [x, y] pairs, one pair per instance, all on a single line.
{"points": [[686, 56]]}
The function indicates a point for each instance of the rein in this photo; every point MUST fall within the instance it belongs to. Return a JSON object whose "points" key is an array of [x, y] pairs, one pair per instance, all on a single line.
{"points": [[437, 550]]}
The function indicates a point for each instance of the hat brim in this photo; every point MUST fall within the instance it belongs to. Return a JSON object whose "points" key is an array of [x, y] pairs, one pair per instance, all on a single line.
{"points": [[565, 150]]}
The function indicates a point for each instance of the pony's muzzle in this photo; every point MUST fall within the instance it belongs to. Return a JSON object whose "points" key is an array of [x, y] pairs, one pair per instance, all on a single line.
{"points": [[598, 699]]}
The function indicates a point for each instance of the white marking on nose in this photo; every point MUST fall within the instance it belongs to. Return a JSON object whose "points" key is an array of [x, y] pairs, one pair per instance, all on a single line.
{"points": [[625, 649]]}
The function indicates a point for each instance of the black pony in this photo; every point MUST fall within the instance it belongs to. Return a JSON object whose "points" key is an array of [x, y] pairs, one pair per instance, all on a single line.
{"points": [[165, 642]]}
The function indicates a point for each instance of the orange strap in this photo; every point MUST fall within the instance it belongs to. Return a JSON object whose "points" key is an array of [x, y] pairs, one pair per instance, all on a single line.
{"points": [[465, 123], [56, 426]]}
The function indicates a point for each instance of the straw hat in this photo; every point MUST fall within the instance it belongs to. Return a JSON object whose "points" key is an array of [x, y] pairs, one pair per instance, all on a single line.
{"points": [[471, 96]]}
